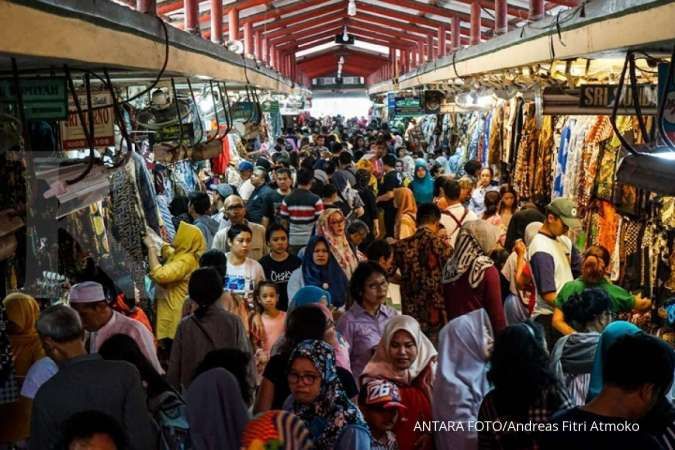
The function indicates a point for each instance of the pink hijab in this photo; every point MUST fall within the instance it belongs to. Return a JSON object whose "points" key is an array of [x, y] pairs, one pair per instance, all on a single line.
{"points": [[380, 365]]}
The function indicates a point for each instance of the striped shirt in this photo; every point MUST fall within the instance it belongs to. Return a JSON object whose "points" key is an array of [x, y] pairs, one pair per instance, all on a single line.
{"points": [[302, 209]]}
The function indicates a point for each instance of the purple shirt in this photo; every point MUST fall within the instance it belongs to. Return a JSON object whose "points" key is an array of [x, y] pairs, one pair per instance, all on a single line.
{"points": [[363, 332]]}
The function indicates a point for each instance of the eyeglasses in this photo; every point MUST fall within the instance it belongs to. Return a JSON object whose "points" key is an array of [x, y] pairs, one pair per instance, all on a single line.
{"points": [[384, 285], [232, 207], [306, 378]]}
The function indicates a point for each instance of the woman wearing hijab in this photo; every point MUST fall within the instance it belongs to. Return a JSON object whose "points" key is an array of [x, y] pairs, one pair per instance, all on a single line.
{"points": [[422, 185], [276, 429], [22, 312], [405, 356], [321, 269], [572, 356], [470, 278], [332, 225], [318, 398], [216, 411], [406, 213], [182, 258], [465, 344], [609, 336], [525, 390]]}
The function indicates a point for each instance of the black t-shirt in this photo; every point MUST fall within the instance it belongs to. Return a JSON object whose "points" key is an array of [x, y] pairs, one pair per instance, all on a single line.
{"points": [[271, 206], [276, 372], [279, 272], [255, 205], [390, 181], [581, 430]]}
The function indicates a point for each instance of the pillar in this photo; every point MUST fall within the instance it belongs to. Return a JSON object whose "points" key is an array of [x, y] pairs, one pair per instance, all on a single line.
{"points": [[233, 24], [405, 61], [217, 21], [191, 12], [258, 45], [536, 9], [147, 6], [420, 51], [501, 25], [456, 33], [430, 48], [265, 51], [248, 38], [475, 22], [441, 42]]}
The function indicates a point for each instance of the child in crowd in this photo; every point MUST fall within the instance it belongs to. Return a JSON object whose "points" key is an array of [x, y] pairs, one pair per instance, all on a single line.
{"points": [[380, 401], [267, 322]]}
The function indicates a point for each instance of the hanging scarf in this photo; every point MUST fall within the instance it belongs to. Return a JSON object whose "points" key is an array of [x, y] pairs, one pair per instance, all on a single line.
{"points": [[274, 429], [381, 366], [330, 277], [337, 244], [423, 188], [332, 410], [475, 241]]}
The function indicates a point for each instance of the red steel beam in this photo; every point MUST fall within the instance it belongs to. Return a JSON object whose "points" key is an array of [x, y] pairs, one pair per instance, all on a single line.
{"points": [[217, 21], [442, 48], [190, 19], [501, 25], [277, 24], [352, 24], [321, 21], [146, 6], [248, 39], [475, 22], [537, 9], [310, 35], [233, 24]]}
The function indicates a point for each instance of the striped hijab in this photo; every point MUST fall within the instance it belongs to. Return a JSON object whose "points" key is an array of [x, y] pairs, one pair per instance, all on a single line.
{"points": [[276, 429]]}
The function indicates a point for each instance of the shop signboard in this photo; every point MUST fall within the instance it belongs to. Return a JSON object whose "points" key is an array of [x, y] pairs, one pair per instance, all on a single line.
{"points": [[243, 111], [408, 106], [604, 96], [669, 89], [43, 98], [72, 131], [270, 106], [172, 133]]}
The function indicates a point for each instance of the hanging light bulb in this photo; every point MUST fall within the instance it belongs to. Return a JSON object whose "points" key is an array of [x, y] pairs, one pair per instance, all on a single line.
{"points": [[351, 8], [345, 35]]}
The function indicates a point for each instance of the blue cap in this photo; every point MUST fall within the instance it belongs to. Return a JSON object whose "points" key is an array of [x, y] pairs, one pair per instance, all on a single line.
{"points": [[245, 165]]}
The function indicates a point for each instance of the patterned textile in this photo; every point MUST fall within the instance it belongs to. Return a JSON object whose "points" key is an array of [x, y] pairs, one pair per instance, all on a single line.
{"points": [[163, 206], [339, 246], [421, 259], [599, 133], [543, 169], [527, 151], [496, 137], [467, 256], [276, 430], [332, 410], [128, 227], [561, 160]]}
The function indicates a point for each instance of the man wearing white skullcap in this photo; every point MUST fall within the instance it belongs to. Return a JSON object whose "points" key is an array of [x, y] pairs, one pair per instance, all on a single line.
{"points": [[101, 321]]}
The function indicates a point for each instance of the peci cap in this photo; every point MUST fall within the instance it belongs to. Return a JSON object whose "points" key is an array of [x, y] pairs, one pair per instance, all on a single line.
{"points": [[87, 292], [567, 210], [382, 393]]}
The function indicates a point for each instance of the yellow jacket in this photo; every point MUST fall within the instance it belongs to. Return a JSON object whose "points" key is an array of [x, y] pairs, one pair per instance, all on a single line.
{"points": [[172, 277]]}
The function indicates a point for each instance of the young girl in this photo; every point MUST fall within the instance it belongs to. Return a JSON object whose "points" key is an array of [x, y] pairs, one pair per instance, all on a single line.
{"points": [[267, 322]]}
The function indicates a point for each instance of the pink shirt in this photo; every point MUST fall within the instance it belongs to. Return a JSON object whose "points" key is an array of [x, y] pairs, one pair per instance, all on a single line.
{"points": [[121, 324], [274, 328]]}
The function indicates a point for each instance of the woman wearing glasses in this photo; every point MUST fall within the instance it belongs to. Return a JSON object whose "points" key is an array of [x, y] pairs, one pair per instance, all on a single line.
{"points": [[317, 397]]}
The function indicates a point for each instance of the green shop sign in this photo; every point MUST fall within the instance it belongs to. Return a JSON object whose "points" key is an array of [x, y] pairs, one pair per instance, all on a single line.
{"points": [[270, 106], [407, 106], [43, 98]]}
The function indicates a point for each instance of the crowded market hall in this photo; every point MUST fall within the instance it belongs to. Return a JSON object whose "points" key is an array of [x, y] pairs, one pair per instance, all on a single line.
{"points": [[337, 224]]}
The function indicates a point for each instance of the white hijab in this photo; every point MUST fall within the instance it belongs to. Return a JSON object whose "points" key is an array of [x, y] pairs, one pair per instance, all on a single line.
{"points": [[464, 348]]}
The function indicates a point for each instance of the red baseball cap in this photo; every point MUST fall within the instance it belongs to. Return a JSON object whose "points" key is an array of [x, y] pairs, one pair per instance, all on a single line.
{"points": [[382, 393]]}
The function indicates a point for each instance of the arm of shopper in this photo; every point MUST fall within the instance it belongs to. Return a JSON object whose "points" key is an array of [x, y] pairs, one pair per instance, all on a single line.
{"points": [[558, 322], [493, 299], [265, 397], [385, 197]]}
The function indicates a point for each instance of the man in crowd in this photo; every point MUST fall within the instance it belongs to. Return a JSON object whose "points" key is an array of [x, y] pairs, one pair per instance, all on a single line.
{"points": [[222, 191], [101, 321], [235, 214], [300, 210], [549, 256], [255, 207], [637, 374], [456, 214], [85, 383], [199, 208], [390, 181], [420, 259], [273, 201], [246, 187]]}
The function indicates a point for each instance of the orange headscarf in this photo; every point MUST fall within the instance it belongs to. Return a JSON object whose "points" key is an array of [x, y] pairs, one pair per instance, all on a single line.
{"points": [[406, 212], [23, 312]]}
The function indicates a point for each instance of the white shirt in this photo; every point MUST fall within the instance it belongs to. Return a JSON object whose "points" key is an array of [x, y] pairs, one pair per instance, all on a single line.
{"points": [[451, 225], [244, 278], [246, 190], [559, 249]]}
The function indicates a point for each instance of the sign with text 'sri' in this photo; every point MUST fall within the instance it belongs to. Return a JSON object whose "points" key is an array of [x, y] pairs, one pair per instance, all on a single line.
{"points": [[43, 98], [604, 96], [72, 131]]}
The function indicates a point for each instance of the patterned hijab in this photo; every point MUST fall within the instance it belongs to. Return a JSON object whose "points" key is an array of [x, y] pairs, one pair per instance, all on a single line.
{"points": [[476, 239], [338, 244], [332, 410], [279, 430]]}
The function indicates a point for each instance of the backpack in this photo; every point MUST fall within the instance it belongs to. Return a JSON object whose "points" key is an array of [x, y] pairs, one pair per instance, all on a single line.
{"points": [[169, 413]]}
